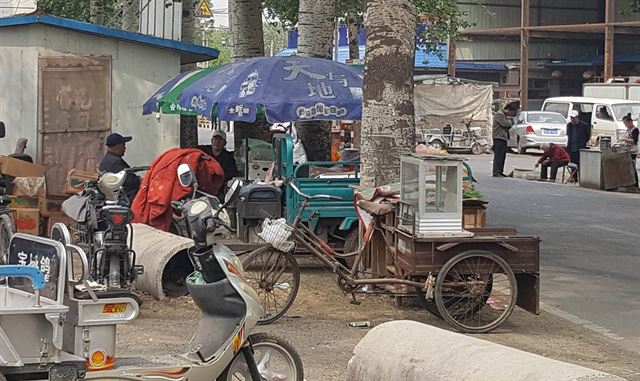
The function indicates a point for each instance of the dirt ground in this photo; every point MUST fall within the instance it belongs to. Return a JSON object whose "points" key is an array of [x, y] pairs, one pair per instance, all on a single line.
{"points": [[318, 326]]}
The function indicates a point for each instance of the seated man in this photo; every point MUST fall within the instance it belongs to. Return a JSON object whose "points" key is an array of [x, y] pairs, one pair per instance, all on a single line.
{"points": [[553, 156], [113, 162]]}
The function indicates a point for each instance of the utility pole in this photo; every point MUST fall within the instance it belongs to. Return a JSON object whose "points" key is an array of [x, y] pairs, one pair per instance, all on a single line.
{"points": [[524, 54], [609, 33]]}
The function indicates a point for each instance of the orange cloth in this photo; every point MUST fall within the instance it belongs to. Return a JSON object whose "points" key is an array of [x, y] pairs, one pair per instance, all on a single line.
{"points": [[160, 186]]}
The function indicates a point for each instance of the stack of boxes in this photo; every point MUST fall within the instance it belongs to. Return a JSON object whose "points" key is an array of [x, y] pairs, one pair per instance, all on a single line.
{"points": [[35, 211]]}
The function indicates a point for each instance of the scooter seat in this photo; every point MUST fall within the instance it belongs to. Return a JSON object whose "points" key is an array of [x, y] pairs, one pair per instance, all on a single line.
{"points": [[109, 294]]}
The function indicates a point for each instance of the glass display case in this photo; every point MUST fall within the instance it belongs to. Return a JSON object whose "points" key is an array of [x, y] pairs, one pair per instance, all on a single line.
{"points": [[431, 194]]}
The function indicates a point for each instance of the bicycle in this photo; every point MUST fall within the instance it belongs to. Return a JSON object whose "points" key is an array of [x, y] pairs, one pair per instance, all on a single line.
{"points": [[474, 290]]}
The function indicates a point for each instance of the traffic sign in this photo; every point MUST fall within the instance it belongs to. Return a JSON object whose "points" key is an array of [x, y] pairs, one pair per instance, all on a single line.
{"points": [[204, 9]]}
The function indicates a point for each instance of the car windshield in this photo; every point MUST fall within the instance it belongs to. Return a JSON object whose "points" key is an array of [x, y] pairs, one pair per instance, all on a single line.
{"points": [[620, 110], [545, 117]]}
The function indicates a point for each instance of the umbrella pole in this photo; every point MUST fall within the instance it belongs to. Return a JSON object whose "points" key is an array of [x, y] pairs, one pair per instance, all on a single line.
{"points": [[246, 159]]}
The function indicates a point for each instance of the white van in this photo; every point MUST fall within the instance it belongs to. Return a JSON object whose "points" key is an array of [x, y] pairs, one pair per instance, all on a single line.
{"points": [[604, 115]]}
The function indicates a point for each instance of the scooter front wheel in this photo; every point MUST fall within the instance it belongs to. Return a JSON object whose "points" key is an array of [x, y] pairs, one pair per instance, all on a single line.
{"points": [[275, 276], [275, 359]]}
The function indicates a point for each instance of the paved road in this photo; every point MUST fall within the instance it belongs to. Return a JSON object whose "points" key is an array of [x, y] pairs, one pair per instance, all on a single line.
{"points": [[590, 257]]}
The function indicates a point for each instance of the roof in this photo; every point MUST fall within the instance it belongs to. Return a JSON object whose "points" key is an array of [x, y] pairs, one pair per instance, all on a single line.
{"points": [[423, 60], [189, 53], [590, 100]]}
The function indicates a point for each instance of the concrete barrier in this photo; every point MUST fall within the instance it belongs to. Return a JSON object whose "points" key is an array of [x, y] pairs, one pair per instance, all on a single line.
{"points": [[165, 260], [412, 351]]}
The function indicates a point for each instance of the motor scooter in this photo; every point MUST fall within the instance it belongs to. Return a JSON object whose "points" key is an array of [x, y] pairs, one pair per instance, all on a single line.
{"points": [[74, 337], [104, 229]]}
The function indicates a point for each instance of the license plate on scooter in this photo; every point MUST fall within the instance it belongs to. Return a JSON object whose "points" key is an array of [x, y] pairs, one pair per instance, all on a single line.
{"points": [[114, 308]]}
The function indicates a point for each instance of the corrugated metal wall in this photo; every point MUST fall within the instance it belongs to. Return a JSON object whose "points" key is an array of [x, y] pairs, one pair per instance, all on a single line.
{"points": [[506, 13], [509, 50]]}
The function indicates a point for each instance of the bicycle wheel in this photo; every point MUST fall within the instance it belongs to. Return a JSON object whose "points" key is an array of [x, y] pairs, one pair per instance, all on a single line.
{"points": [[476, 291], [6, 231], [276, 359], [275, 276]]}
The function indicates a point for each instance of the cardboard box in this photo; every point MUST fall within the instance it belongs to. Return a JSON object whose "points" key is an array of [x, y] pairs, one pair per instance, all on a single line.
{"points": [[24, 202], [20, 168], [21, 185], [28, 221], [55, 218], [76, 179], [51, 205]]}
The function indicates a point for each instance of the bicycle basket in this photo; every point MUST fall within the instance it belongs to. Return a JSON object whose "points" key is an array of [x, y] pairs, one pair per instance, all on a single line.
{"points": [[277, 233]]}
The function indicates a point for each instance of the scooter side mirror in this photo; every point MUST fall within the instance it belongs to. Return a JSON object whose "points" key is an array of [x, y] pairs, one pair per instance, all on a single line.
{"points": [[185, 175], [3, 131], [233, 192]]}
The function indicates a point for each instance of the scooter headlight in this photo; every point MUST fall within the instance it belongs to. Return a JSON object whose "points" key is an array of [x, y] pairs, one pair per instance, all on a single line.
{"points": [[198, 207]]}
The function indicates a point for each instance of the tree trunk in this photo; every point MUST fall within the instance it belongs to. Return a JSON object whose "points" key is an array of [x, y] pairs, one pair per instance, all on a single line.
{"points": [[188, 131], [316, 28], [246, 40], [315, 39], [188, 123], [130, 13], [97, 12], [388, 125], [245, 27], [189, 21], [353, 33]]}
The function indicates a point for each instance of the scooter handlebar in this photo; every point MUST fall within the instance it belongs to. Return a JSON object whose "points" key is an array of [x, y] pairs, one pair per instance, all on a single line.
{"points": [[137, 169]]}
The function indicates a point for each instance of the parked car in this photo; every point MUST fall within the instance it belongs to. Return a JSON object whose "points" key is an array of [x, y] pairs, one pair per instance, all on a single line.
{"points": [[604, 115], [532, 128]]}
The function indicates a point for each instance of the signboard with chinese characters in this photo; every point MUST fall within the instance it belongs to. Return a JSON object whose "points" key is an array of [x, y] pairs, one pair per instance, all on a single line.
{"points": [[45, 257]]}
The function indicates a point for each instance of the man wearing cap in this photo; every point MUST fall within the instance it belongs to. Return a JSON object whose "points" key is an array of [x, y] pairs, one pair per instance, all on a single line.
{"points": [[500, 133], [113, 162], [224, 157], [578, 135]]}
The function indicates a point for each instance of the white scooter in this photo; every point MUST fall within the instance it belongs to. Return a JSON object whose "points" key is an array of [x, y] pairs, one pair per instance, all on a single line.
{"points": [[67, 331]]}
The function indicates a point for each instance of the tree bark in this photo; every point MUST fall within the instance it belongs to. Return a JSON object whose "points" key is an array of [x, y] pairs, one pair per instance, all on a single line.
{"points": [[245, 27], [316, 28], [353, 33], [97, 12], [315, 39], [388, 124], [189, 20]]}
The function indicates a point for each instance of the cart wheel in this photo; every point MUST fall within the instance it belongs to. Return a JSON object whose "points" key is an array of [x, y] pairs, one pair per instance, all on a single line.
{"points": [[477, 149], [427, 304], [436, 144], [275, 276], [476, 291]]}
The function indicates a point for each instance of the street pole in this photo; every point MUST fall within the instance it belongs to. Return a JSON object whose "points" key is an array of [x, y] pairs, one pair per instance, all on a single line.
{"points": [[609, 32], [336, 39], [524, 54]]}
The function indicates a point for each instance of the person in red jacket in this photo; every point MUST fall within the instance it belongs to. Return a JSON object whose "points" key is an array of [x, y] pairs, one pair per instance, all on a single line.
{"points": [[553, 156]]}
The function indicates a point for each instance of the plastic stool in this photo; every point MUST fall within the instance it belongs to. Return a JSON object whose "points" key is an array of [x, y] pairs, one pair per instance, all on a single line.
{"points": [[573, 171]]}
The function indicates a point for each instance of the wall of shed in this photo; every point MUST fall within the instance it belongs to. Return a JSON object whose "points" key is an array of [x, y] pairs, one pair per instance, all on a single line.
{"points": [[137, 71], [506, 13], [480, 49]]}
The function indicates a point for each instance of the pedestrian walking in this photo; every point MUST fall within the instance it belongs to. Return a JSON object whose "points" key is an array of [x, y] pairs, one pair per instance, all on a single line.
{"points": [[631, 138], [554, 157], [502, 122], [578, 135]]}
